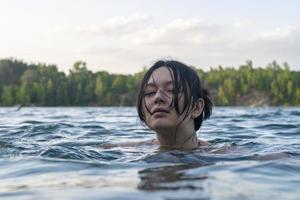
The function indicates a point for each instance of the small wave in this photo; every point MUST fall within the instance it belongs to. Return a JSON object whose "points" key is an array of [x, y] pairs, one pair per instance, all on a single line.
{"points": [[295, 112], [56, 117], [243, 136], [8, 150], [220, 140], [75, 153], [288, 133], [32, 122], [277, 126], [91, 126], [286, 166]]}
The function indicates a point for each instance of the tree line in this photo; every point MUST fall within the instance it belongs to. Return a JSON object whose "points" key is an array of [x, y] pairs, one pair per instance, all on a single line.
{"points": [[44, 85]]}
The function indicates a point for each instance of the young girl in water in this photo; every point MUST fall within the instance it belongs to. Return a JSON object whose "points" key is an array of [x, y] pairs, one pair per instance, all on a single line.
{"points": [[172, 103]]}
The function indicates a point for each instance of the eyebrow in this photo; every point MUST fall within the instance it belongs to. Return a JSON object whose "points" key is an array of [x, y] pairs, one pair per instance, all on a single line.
{"points": [[152, 84]]}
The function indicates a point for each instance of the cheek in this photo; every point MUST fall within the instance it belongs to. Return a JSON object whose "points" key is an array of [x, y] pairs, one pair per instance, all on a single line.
{"points": [[148, 102]]}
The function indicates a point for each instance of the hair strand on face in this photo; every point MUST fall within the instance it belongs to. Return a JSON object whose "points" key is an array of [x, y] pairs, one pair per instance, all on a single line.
{"points": [[187, 83]]}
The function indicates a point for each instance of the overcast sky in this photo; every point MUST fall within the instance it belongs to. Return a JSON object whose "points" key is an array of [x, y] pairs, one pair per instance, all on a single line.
{"points": [[122, 36]]}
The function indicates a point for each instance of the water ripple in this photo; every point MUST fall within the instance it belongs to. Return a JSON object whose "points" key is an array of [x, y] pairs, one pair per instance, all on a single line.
{"points": [[77, 153]]}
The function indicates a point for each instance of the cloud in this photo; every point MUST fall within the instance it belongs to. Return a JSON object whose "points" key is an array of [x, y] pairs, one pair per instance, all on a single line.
{"points": [[183, 32], [239, 23], [136, 40], [278, 42], [141, 30], [278, 33], [115, 27]]}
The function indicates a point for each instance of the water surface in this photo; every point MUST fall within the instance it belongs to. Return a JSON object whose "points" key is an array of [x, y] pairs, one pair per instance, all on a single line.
{"points": [[67, 153]]}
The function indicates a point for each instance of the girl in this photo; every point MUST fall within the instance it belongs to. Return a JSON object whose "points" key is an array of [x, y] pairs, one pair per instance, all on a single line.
{"points": [[172, 102]]}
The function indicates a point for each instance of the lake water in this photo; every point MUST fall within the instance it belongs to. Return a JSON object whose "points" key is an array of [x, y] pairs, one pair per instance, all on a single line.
{"points": [[65, 153]]}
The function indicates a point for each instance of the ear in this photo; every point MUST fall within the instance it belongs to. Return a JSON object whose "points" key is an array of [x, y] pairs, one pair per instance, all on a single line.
{"points": [[198, 108]]}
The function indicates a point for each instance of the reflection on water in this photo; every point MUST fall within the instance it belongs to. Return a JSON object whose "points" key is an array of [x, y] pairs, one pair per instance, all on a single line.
{"points": [[170, 178]]}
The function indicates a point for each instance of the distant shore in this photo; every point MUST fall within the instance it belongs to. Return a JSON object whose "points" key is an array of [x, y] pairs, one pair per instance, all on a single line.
{"points": [[44, 85]]}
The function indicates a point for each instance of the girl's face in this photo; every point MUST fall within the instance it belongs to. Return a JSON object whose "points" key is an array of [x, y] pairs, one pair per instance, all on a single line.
{"points": [[158, 106]]}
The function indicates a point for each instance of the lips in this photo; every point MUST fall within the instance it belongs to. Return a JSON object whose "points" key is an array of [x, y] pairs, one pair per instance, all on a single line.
{"points": [[160, 110]]}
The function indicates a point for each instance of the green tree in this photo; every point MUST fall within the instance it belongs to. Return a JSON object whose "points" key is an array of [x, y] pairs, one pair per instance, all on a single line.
{"points": [[7, 98]]}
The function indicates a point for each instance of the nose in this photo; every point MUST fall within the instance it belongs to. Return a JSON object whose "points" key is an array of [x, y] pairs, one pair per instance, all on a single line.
{"points": [[159, 97]]}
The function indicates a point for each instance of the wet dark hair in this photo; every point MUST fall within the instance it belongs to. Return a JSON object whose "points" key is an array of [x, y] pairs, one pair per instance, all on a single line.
{"points": [[186, 81]]}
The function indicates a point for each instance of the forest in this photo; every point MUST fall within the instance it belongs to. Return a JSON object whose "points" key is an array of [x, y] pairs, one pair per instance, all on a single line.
{"points": [[43, 84]]}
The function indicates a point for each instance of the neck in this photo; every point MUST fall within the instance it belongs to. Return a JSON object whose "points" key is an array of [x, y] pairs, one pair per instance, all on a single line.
{"points": [[178, 138]]}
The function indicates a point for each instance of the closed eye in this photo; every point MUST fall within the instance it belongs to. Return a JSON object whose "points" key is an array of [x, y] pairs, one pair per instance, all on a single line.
{"points": [[149, 93]]}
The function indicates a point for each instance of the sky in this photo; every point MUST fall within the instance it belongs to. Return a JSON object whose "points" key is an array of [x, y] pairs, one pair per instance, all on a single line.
{"points": [[123, 36]]}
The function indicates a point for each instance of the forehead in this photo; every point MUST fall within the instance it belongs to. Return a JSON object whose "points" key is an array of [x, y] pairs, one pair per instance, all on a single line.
{"points": [[161, 76]]}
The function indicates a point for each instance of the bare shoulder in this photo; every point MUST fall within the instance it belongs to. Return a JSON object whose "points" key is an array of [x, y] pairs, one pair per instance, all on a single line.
{"points": [[203, 143], [220, 148]]}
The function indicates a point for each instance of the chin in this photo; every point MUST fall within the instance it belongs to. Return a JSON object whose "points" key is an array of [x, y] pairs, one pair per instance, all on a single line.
{"points": [[161, 126]]}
